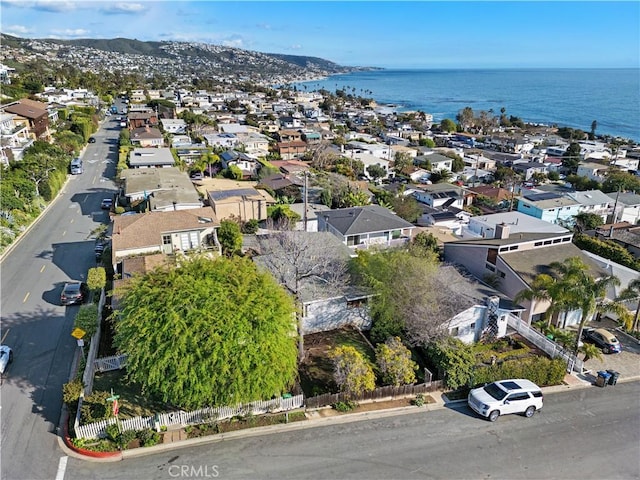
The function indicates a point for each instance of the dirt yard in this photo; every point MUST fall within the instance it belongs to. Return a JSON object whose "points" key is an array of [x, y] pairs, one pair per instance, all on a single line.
{"points": [[371, 406]]}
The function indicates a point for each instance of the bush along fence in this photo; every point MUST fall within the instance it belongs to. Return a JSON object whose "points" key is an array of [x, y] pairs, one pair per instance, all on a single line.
{"points": [[375, 395], [548, 346], [182, 418]]}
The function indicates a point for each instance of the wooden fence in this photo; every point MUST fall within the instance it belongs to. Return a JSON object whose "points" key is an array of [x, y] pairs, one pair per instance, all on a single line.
{"points": [[182, 418], [375, 395]]}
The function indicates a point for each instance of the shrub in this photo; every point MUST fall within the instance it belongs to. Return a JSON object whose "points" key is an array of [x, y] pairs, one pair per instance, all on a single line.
{"points": [[148, 437], [96, 278], [345, 406], [419, 400], [540, 370], [71, 391], [87, 320], [95, 407]]}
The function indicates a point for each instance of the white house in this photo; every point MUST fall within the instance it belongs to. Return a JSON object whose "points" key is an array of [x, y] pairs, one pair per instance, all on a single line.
{"points": [[173, 125]]}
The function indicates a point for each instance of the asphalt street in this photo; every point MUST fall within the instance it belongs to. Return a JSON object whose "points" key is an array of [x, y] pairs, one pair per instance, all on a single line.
{"points": [[587, 433], [56, 249]]}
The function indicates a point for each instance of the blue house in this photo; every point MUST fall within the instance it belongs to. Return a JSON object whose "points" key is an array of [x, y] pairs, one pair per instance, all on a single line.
{"points": [[549, 207]]}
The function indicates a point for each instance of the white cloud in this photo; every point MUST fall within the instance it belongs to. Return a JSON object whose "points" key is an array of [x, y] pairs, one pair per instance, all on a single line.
{"points": [[70, 32], [17, 30], [234, 42], [295, 47], [126, 8], [43, 5]]}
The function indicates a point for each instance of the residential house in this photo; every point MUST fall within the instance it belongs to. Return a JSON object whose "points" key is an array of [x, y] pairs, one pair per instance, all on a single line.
{"points": [[513, 261], [224, 140], [442, 195], [529, 169], [142, 119], [379, 150], [162, 189], [36, 117], [14, 137], [624, 234], [164, 232], [243, 204], [437, 161], [255, 144], [145, 157], [245, 162], [146, 137], [173, 125], [283, 186], [593, 201], [550, 207], [485, 226], [291, 150], [592, 171], [366, 227], [626, 206], [290, 135], [290, 122], [325, 306], [308, 219]]}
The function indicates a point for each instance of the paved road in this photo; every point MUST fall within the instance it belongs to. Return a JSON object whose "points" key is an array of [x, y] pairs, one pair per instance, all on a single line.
{"points": [[590, 433], [58, 248]]}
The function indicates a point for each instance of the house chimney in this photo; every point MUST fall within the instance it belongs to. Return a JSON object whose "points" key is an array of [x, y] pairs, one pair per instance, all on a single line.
{"points": [[502, 231]]}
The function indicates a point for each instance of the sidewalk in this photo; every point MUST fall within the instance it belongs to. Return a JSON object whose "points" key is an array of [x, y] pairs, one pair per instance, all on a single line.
{"points": [[571, 382]]}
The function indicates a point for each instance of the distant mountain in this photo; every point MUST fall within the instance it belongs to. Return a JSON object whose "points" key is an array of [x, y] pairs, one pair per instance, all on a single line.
{"points": [[183, 60]]}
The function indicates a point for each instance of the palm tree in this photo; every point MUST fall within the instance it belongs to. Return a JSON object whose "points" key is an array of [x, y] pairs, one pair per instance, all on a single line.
{"points": [[539, 290], [632, 292], [590, 351], [583, 292]]}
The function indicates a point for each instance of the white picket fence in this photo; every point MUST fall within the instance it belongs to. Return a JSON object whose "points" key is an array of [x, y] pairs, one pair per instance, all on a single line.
{"points": [[182, 418], [106, 364], [550, 347]]}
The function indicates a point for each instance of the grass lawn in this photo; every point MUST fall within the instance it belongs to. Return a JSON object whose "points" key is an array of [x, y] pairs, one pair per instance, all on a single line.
{"points": [[133, 402], [316, 372]]}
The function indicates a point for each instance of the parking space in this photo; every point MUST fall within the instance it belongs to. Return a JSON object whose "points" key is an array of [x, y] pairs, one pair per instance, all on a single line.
{"points": [[626, 362]]}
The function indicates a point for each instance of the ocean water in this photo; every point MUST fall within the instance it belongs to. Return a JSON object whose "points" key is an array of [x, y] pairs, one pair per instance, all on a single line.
{"points": [[564, 97]]}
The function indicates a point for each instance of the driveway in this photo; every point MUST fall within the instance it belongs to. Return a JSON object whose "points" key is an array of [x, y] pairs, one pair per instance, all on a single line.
{"points": [[626, 362]]}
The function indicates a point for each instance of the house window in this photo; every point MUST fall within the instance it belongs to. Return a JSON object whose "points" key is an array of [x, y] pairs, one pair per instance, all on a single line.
{"points": [[166, 239], [490, 267], [501, 274], [492, 255], [473, 326], [395, 234], [454, 332], [357, 303]]}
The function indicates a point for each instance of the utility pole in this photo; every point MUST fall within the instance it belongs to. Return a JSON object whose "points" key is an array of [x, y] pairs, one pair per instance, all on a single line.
{"points": [[306, 199]]}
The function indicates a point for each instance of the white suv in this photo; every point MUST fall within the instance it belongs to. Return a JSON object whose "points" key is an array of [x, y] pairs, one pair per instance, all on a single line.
{"points": [[506, 396]]}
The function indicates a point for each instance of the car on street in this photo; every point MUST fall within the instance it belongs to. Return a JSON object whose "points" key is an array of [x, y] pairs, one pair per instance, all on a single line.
{"points": [[6, 357], [506, 396], [92, 139], [106, 204], [73, 293], [197, 176], [602, 338]]}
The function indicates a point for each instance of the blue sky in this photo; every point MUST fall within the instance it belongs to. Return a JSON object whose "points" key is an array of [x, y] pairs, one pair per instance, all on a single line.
{"points": [[413, 34]]}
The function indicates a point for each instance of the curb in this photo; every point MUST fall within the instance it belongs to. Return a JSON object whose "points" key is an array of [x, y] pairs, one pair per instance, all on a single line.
{"points": [[82, 453]]}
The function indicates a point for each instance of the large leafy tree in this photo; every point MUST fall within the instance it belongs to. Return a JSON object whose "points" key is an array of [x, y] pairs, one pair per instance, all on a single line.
{"points": [[230, 237], [395, 364], [352, 372], [209, 332], [571, 158], [632, 292]]}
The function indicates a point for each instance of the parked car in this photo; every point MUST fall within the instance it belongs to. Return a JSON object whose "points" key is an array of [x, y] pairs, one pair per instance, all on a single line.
{"points": [[504, 397], [6, 357], [604, 339], [99, 247], [106, 204], [92, 139], [196, 176], [73, 293]]}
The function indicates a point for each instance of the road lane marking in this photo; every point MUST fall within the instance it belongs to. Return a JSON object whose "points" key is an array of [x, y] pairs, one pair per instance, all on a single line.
{"points": [[64, 233], [62, 467], [5, 335], [94, 180], [86, 197], [42, 269], [71, 221], [26, 296]]}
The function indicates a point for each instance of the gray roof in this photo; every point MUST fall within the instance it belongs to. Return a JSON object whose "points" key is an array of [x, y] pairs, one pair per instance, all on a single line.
{"points": [[151, 156], [138, 180], [513, 239], [626, 198], [530, 263], [590, 197], [367, 219]]}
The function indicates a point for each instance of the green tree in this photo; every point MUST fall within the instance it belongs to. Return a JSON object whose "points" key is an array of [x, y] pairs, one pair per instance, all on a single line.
{"points": [[208, 333], [590, 351], [424, 244], [376, 172], [394, 362], [354, 198], [233, 172], [441, 176], [428, 142], [447, 125], [406, 207], [632, 292], [571, 158], [542, 289], [455, 359], [465, 118], [87, 319], [96, 278], [620, 180], [587, 221], [401, 162], [230, 237], [352, 372], [594, 125]]}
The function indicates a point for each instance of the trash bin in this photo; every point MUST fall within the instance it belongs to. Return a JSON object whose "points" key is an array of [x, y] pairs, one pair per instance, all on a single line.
{"points": [[613, 379], [603, 379]]}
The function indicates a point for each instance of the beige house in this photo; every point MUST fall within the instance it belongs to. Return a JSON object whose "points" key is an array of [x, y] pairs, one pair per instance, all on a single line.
{"points": [[243, 203], [164, 232]]}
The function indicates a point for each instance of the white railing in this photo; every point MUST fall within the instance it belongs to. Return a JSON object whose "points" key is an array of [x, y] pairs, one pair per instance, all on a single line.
{"points": [[182, 418], [106, 364], [88, 374], [550, 347]]}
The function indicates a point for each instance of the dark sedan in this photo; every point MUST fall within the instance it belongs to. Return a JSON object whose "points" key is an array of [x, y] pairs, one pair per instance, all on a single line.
{"points": [[73, 293], [604, 339]]}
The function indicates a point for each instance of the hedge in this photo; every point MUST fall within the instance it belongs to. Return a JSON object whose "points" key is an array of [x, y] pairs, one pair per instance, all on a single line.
{"points": [[540, 370]]}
